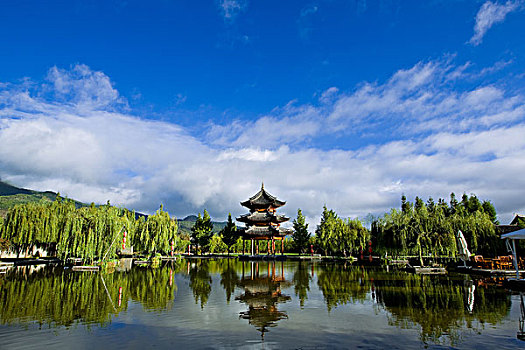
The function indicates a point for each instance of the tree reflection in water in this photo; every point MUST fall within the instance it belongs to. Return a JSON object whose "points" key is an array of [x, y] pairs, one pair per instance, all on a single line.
{"points": [[343, 284], [301, 280], [200, 280], [441, 308], [59, 297], [439, 305], [229, 277], [262, 285]]}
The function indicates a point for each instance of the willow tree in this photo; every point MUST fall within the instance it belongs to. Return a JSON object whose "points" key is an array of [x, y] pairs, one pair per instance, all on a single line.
{"points": [[89, 232], [431, 229], [157, 233], [340, 237]]}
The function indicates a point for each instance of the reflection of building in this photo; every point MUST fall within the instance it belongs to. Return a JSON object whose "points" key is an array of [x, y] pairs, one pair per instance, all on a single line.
{"points": [[262, 294], [263, 223]]}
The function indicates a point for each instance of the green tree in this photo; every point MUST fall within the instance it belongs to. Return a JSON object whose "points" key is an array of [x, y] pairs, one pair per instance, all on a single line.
{"points": [[201, 232], [229, 234], [432, 232], [88, 232], [431, 206], [343, 238], [488, 208], [405, 206], [453, 204], [216, 244], [359, 234], [474, 204], [324, 234], [300, 235]]}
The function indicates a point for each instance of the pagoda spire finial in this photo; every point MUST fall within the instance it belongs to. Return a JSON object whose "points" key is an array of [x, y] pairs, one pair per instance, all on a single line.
{"points": [[262, 185]]}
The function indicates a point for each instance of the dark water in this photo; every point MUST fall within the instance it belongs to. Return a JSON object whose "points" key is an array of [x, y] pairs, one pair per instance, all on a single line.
{"points": [[230, 304]]}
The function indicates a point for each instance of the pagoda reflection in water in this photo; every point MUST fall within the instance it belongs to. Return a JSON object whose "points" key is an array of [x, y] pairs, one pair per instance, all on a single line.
{"points": [[262, 293]]}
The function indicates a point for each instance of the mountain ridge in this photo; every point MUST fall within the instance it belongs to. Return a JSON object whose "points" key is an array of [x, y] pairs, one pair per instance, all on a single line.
{"points": [[11, 195]]}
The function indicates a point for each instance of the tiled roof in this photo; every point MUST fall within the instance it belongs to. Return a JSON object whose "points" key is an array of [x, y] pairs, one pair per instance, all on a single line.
{"points": [[264, 231], [262, 217], [517, 218], [262, 200]]}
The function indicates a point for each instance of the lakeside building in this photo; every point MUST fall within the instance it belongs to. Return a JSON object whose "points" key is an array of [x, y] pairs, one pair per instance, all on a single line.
{"points": [[515, 224], [263, 223]]}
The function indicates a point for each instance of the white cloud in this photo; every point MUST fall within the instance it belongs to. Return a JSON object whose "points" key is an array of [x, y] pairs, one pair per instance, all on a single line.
{"points": [[421, 99], [231, 8], [489, 14], [328, 95], [83, 87], [287, 125], [413, 102], [95, 153], [308, 10]]}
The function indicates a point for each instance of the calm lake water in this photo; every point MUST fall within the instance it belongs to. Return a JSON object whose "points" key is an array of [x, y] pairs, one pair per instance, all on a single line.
{"points": [[202, 303]]}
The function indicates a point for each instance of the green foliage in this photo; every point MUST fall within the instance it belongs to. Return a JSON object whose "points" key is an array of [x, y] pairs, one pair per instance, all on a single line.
{"points": [[488, 208], [157, 233], [202, 232], [229, 234], [238, 245], [182, 245], [439, 306], [335, 236], [86, 232], [185, 225], [11, 196], [229, 277], [301, 280], [431, 229], [521, 222], [217, 245], [200, 282], [341, 285], [57, 297], [324, 233], [300, 235]]}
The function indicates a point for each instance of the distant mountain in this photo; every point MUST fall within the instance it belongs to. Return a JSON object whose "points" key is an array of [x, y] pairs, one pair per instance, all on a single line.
{"points": [[187, 223], [190, 218], [11, 195], [9, 190]]}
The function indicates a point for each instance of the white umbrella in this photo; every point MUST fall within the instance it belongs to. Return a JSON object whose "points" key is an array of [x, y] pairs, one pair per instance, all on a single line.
{"points": [[463, 251], [520, 234]]}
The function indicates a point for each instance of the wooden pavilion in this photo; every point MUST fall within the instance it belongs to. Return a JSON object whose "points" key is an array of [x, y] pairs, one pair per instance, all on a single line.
{"points": [[263, 223]]}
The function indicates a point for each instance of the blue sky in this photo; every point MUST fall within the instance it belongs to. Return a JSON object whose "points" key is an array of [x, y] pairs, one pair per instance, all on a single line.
{"points": [[194, 103]]}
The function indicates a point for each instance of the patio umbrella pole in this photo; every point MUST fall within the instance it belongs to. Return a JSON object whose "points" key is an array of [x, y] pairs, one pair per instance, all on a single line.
{"points": [[515, 260]]}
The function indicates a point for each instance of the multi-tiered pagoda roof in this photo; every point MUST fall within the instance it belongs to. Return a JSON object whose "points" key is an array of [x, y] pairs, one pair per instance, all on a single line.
{"points": [[263, 222], [262, 217], [262, 200]]}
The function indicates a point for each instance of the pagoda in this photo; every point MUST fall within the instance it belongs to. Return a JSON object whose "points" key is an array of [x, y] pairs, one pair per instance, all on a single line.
{"points": [[263, 223], [263, 294]]}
